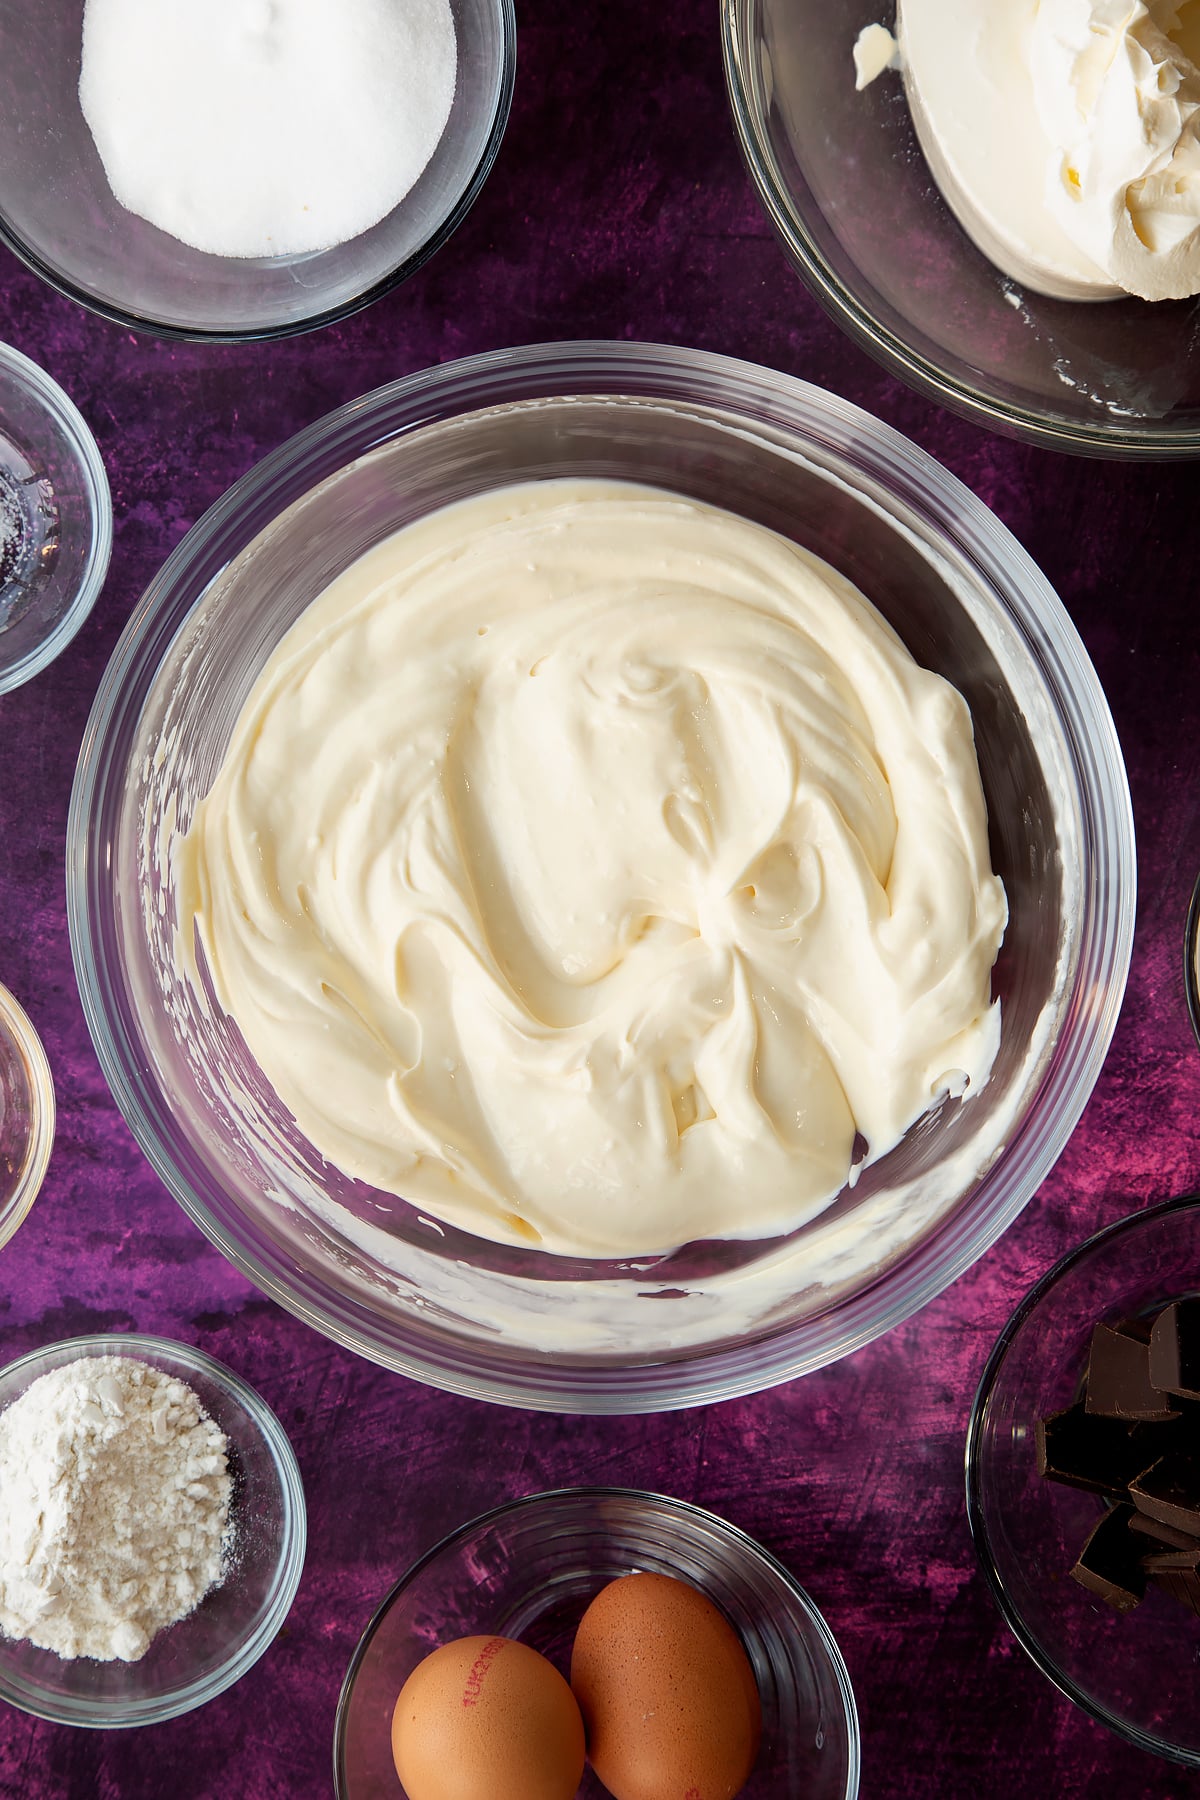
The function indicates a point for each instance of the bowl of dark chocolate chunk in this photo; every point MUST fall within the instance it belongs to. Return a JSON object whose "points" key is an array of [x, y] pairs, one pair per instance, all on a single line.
{"points": [[1083, 1476]]}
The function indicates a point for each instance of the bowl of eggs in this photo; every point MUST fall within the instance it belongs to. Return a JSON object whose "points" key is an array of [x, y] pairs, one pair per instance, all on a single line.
{"points": [[597, 1641], [164, 171], [513, 701], [952, 215]]}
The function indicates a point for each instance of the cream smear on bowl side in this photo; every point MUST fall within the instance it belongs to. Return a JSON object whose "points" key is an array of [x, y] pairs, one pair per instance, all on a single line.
{"points": [[1064, 135], [596, 870], [264, 128]]}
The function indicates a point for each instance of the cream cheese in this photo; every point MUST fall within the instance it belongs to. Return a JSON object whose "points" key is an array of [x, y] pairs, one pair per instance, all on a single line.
{"points": [[875, 49], [967, 75], [1118, 92], [598, 870], [1064, 135]]}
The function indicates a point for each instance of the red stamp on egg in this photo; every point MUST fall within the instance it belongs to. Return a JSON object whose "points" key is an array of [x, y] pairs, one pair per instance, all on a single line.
{"points": [[479, 1668]]}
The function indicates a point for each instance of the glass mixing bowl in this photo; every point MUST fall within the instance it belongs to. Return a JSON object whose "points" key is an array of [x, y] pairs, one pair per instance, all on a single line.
{"points": [[529, 1569], [1135, 1672], [716, 1318], [843, 180], [58, 213]]}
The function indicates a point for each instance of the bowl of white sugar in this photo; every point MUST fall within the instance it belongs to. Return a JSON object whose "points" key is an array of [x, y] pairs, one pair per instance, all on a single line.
{"points": [[250, 172], [152, 1534]]}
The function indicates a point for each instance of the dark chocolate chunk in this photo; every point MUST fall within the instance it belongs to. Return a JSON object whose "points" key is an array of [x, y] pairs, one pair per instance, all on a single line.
{"points": [[1088, 1450], [1163, 1562], [1118, 1377], [1110, 1562], [1170, 1491], [1158, 1533], [1181, 1586], [1175, 1350]]}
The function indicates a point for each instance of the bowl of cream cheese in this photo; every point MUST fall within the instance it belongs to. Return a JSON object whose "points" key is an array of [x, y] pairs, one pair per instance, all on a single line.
{"points": [[601, 876], [246, 173], [999, 200]]}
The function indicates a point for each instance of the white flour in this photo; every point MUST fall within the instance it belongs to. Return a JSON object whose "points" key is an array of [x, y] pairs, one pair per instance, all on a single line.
{"points": [[10, 531], [266, 127], [114, 1508]]}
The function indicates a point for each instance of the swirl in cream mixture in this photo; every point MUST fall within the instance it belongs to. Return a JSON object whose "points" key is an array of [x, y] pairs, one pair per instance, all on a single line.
{"points": [[591, 867]]}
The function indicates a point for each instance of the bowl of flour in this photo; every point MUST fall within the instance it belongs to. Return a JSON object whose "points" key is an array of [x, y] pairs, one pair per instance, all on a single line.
{"points": [[152, 1533], [251, 173]]}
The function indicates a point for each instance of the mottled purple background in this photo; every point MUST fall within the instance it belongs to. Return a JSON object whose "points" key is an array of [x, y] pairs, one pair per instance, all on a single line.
{"points": [[618, 208]]}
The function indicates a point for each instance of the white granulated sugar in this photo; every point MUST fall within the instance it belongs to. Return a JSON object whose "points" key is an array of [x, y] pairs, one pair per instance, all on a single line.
{"points": [[114, 1508], [266, 127]]}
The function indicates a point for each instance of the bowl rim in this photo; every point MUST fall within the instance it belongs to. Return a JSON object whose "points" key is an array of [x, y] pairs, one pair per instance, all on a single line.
{"points": [[1191, 950], [20, 1026], [863, 449], [329, 315], [80, 1711], [972, 1462], [1132, 443], [42, 388], [688, 1512]]}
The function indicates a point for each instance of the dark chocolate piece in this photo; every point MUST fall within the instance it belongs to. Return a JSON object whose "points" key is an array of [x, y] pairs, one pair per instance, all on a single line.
{"points": [[1181, 1586], [1088, 1450], [1158, 1533], [1175, 1350], [1170, 1491], [1110, 1562], [1163, 1562], [1118, 1377], [1135, 1438]]}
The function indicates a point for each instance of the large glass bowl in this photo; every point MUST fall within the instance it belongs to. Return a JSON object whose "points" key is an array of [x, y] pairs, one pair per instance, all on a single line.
{"points": [[1135, 1672], [844, 182], [717, 1318], [529, 1569], [59, 215], [197, 1658]]}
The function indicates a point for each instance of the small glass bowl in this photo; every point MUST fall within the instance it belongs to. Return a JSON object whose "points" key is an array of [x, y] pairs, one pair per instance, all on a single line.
{"points": [[55, 519], [191, 1662], [1134, 1672], [841, 177], [26, 1114], [59, 215], [1191, 960], [529, 1569]]}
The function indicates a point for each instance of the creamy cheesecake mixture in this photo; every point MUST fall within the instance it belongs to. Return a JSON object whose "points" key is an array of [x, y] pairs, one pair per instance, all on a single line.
{"points": [[598, 870], [1065, 135]]}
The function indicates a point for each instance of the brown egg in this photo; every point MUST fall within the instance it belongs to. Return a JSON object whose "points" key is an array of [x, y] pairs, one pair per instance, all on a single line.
{"points": [[487, 1718], [667, 1693]]}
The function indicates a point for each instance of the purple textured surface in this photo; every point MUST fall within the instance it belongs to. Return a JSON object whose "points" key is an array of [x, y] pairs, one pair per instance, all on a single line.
{"points": [[618, 208]]}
